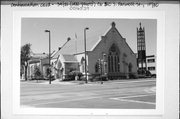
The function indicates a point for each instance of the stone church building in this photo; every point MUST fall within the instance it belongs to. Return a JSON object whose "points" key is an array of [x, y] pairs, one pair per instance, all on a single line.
{"points": [[110, 55]]}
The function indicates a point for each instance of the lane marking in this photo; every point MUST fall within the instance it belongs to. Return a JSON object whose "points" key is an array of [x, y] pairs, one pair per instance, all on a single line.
{"points": [[150, 90], [136, 101], [86, 98], [150, 94], [127, 100]]}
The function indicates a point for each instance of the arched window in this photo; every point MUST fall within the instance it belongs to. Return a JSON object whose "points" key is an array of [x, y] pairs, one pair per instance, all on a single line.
{"points": [[118, 64], [113, 59]]}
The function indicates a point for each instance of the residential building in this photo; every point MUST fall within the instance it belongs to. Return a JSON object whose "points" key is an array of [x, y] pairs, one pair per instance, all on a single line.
{"points": [[151, 64], [39, 60], [64, 64]]}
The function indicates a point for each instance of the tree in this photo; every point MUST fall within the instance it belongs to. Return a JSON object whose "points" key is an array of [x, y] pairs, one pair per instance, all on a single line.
{"points": [[48, 71], [37, 73], [25, 56]]}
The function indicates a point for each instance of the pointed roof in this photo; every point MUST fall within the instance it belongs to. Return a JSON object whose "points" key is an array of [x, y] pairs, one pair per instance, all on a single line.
{"points": [[112, 28], [140, 28], [92, 41]]}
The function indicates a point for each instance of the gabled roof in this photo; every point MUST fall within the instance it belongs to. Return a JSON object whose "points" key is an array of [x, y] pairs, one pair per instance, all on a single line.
{"points": [[109, 30], [76, 46]]}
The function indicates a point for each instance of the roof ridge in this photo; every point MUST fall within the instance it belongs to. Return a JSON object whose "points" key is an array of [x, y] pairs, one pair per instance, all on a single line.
{"points": [[100, 37]]}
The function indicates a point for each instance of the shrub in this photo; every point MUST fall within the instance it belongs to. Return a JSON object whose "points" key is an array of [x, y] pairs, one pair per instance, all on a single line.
{"points": [[67, 78], [72, 74], [76, 73]]}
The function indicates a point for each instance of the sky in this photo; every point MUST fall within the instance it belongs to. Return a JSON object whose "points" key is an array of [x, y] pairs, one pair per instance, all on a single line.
{"points": [[32, 31]]}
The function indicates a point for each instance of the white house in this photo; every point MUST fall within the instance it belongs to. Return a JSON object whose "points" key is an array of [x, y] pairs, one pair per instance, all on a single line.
{"points": [[64, 64]]}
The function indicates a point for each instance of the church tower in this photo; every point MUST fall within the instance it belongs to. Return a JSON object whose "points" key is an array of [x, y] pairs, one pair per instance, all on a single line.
{"points": [[141, 49]]}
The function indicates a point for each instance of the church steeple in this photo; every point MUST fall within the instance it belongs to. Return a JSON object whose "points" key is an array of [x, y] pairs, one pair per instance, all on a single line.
{"points": [[140, 28], [141, 48]]}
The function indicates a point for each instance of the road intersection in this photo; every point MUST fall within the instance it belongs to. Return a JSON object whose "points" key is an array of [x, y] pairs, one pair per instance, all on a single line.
{"points": [[116, 94]]}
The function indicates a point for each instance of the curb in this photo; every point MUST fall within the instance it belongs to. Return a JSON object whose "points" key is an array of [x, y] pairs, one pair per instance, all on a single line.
{"points": [[83, 82]]}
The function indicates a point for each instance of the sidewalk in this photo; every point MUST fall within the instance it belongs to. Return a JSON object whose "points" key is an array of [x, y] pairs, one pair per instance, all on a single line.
{"points": [[57, 81]]}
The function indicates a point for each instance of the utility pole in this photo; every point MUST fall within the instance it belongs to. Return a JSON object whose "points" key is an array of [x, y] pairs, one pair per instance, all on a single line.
{"points": [[85, 53], [49, 54]]}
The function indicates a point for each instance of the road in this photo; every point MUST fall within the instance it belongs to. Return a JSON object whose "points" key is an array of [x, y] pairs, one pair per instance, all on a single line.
{"points": [[117, 94]]}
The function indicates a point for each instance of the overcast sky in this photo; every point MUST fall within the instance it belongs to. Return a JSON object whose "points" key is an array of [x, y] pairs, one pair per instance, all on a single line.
{"points": [[32, 32]]}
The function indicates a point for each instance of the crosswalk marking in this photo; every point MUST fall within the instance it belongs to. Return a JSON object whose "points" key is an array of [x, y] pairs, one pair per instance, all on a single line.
{"points": [[136, 101]]}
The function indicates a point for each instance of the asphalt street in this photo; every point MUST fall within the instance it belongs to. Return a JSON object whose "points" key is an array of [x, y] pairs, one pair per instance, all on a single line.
{"points": [[117, 94]]}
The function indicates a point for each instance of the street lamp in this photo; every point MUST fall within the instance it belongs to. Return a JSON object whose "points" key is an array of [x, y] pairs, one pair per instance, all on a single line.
{"points": [[85, 52], [49, 54]]}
